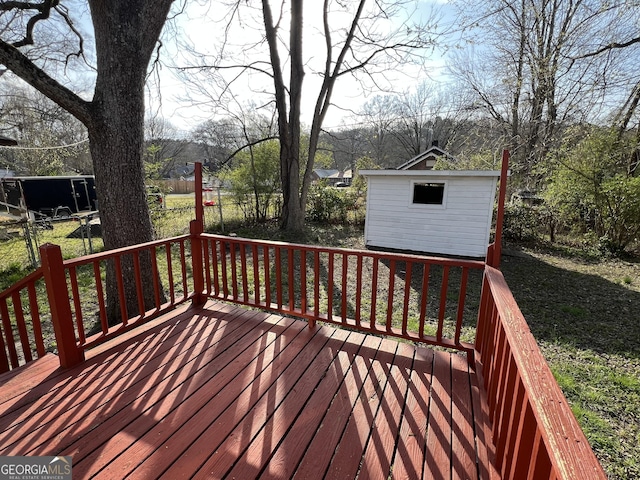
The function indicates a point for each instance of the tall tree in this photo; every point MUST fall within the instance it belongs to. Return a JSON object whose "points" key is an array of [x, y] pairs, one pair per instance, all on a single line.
{"points": [[126, 33], [363, 39], [352, 49], [623, 35], [524, 73], [425, 115]]}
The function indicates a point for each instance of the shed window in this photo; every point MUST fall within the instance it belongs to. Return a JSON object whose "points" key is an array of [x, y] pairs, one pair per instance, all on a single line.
{"points": [[428, 193]]}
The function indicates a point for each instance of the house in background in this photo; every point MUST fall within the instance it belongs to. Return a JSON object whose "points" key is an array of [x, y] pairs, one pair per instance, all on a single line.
{"points": [[427, 159], [430, 211], [333, 177]]}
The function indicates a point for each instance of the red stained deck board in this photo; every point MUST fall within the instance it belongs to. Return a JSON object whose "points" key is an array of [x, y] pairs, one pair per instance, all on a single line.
{"points": [[126, 360], [222, 392], [438, 450], [176, 402], [376, 462], [74, 397], [21, 381], [288, 452], [324, 440], [190, 446], [72, 415], [463, 448], [347, 457]]}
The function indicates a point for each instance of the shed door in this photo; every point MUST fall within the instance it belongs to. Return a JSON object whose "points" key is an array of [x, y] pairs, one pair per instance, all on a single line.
{"points": [[81, 194]]}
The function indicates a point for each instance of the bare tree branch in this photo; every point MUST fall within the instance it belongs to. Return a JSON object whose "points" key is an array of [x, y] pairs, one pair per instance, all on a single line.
{"points": [[43, 9], [611, 46], [24, 68]]}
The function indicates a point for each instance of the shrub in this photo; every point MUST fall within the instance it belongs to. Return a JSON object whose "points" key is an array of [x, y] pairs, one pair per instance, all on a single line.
{"points": [[330, 205]]}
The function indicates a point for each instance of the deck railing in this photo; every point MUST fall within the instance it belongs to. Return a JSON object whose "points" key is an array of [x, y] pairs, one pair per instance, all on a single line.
{"points": [[23, 313], [534, 431], [61, 306], [418, 298], [424, 299]]}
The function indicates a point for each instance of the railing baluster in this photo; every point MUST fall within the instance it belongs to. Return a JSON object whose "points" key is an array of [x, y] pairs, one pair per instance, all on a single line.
{"points": [[407, 290], [391, 293], [172, 289], [291, 279], [100, 291], [345, 288], [256, 273], [303, 281], [138, 281], [215, 264], [424, 297], [8, 333], [267, 276], [358, 292], [316, 284], [121, 296], [243, 266], [207, 265], [443, 302], [75, 294], [461, 299], [35, 320], [374, 293], [330, 287], [4, 361], [22, 327], [278, 265], [156, 277], [223, 269], [234, 273], [183, 270]]}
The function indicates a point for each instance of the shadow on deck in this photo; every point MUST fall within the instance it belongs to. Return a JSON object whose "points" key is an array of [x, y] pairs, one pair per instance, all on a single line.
{"points": [[226, 392]]}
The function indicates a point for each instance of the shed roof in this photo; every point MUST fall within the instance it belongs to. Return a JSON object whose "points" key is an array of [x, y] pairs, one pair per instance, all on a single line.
{"points": [[430, 173]]}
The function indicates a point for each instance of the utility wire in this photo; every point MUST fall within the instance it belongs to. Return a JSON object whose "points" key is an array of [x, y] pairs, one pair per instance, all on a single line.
{"points": [[58, 147]]}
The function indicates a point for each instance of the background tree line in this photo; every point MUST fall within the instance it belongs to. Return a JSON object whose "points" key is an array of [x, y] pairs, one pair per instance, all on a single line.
{"points": [[554, 81]]}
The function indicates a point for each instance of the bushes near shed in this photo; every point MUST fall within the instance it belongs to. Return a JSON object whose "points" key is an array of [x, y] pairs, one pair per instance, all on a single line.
{"points": [[332, 205]]}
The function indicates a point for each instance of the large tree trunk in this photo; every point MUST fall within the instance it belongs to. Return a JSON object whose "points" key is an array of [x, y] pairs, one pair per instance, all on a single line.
{"points": [[123, 32], [126, 32], [288, 115]]}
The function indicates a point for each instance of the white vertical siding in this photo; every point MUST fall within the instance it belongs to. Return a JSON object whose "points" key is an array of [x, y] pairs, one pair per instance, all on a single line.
{"points": [[459, 227]]}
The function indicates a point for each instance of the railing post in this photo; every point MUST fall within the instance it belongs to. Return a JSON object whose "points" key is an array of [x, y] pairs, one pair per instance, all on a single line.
{"points": [[496, 252], [198, 193], [56, 283], [196, 229]]}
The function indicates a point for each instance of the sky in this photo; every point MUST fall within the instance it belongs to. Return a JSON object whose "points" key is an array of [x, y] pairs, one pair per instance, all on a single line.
{"points": [[202, 26]]}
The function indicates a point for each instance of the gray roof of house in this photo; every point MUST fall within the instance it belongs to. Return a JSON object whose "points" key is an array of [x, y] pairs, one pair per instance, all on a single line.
{"points": [[431, 151]]}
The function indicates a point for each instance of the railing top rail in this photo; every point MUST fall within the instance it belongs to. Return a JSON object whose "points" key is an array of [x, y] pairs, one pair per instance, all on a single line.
{"points": [[479, 264], [117, 251], [568, 446], [20, 284]]}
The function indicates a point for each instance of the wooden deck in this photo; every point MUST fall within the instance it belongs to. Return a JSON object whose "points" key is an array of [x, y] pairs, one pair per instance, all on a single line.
{"points": [[225, 392]]}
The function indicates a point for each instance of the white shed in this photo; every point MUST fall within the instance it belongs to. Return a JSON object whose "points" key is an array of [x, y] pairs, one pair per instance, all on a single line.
{"points": [[431, 211]]}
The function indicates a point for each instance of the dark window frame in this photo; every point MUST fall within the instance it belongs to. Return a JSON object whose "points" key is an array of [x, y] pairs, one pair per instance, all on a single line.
{"points": [[428, 193]]}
